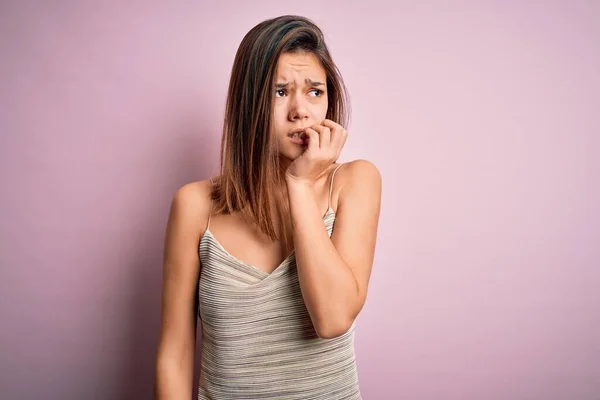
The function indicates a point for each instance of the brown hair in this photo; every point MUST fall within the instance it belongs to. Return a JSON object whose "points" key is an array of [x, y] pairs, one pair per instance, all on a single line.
{"points": [[250, 170]]}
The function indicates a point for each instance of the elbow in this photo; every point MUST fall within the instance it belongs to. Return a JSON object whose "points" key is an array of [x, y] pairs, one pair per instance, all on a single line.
{"points": [[330, 325], [332, 330]]}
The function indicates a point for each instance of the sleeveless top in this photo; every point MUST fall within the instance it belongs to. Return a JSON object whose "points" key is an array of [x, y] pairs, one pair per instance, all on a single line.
{"points": [[258, 341]]}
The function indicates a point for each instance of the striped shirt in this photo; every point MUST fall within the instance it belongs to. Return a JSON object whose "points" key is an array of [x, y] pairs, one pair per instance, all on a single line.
{"points": [[258, 341]]}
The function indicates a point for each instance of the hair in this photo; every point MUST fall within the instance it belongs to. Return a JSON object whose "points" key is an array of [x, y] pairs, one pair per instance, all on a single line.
{"points": [[250, 167]]}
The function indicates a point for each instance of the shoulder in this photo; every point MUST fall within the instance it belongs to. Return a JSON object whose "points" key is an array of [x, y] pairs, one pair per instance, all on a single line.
{"points": [[193, 194], [361, 167], [355, 177], [191, 203], [358, 172]]}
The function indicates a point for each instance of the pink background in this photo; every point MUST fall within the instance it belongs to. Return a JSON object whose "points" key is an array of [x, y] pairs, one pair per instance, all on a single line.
{"points": [[482, 117]]}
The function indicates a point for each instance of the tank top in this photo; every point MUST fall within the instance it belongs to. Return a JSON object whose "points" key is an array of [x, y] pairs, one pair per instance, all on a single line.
{"points": [[258, 341]]}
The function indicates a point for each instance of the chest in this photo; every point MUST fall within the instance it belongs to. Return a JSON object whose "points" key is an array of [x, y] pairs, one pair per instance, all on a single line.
{"points": [[241, 246]]}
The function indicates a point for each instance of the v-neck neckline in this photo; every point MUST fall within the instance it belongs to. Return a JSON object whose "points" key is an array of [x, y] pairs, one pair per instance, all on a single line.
{"points": [[285, 262]]}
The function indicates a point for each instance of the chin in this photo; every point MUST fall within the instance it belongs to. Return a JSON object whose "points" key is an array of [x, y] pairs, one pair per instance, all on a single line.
{"points": [[288, 156], [291, 154]]}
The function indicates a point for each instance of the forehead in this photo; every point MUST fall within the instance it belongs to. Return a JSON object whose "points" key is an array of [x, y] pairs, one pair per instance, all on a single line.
{"points": [[299, 63]]}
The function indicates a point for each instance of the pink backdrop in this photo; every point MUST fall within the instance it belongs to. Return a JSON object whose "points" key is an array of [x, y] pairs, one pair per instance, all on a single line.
{"points": [[482, 117]]}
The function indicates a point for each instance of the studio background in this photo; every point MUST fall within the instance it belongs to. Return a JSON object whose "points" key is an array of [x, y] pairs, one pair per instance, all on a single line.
{"points": [[481, 116]]}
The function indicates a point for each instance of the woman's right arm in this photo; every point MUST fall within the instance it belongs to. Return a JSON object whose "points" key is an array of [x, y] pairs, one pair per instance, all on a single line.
{"points": [[181, 266]]}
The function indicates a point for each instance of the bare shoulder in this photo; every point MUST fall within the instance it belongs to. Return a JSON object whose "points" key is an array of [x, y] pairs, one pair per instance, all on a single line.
{"points": [[355, 176], [358, 173], [190, 205], [359, 168]]}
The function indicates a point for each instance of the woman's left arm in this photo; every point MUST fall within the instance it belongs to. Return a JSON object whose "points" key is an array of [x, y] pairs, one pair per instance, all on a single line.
{"points": [[334, 273]]}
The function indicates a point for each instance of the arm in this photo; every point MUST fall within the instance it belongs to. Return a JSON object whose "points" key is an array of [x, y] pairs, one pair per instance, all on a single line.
{"points": [[334, 273], [175, 358]]}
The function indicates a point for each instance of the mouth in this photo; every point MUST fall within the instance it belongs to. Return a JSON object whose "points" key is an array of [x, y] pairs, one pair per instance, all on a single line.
{"points": [[297, 134]]}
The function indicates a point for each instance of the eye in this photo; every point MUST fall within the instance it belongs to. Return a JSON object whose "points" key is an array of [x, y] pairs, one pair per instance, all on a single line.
{"points": [[281, 92]]}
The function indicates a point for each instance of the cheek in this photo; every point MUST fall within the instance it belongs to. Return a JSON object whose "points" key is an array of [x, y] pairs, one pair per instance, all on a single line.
{"points": [[277, 120], [324, 105], [321, 111]]}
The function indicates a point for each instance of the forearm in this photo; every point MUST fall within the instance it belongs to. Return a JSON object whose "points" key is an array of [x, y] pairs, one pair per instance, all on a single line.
{"points": [[329, 288]]}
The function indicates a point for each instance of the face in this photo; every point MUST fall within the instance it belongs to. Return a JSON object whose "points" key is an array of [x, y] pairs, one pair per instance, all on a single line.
{"points": [[299, 100]]}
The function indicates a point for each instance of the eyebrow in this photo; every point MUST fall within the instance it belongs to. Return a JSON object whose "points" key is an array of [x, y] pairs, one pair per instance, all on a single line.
{"points": [[308, 81]]}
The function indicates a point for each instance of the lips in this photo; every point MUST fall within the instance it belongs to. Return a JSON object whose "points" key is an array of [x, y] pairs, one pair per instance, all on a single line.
{"points": [[299, 130], [300, 139]]}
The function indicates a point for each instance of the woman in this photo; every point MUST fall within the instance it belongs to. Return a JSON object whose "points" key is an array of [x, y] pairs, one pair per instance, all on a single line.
{"points": [[278, 287]]}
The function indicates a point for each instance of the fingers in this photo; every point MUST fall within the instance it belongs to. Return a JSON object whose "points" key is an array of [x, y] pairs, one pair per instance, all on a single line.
{"points": [[324, 135], [328, 135], [338, 134], [313, 139]]}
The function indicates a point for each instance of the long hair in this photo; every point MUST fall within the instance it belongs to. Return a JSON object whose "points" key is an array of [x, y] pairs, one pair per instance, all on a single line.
{"points": [[250, 168]]}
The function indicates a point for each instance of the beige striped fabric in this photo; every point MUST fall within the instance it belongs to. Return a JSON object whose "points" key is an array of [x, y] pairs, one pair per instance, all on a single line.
{"points": [[258, 341]]}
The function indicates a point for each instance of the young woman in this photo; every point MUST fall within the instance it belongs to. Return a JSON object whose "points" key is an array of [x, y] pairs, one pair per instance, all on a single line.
{"points": [[254, 253]]}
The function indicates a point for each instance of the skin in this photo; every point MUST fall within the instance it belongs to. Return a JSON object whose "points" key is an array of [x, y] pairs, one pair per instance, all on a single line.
{"points": [[333, 273]]}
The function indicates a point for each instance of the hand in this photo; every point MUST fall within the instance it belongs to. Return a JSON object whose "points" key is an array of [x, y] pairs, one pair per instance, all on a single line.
{"points": [[325, 142]]}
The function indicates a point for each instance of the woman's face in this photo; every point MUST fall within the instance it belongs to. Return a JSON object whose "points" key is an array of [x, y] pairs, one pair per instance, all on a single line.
{"points": [[299, 99]]}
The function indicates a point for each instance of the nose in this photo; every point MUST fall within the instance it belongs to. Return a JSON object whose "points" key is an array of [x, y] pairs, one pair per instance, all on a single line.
{"points": [[298, 109]]}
